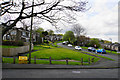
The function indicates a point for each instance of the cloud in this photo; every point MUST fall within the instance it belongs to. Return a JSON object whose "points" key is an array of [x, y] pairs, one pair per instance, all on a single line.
{"points": [[101, 20]]}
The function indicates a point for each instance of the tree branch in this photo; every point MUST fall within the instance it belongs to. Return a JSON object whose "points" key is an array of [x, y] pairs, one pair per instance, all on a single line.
{"points": [[34, 5]]}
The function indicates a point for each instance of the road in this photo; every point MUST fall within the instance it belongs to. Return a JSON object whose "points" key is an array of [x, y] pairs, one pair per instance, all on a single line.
{"points": [[60, 73], [112, 56], [103, 62]]}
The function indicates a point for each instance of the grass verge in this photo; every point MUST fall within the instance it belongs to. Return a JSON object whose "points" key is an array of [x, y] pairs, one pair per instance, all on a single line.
{"points": [[99, 56], [113, 52]]}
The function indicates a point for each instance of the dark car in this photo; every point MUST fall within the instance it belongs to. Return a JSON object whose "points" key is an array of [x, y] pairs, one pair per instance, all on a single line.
{"points": [[101, 51], [91, 49]]}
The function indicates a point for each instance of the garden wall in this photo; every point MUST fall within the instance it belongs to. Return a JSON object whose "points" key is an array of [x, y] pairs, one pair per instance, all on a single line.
{"points": [[15, 51]]}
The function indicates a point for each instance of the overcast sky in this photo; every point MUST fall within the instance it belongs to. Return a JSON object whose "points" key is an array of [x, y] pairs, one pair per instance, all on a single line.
{"points": [[101, 21]]}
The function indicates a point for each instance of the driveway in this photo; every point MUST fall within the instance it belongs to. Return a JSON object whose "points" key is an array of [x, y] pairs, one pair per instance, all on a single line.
{"points": [[102, 62]]}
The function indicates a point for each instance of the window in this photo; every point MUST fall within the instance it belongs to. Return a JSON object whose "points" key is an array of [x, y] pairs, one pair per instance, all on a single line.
{"points": [[13, 33], [23, 33]]}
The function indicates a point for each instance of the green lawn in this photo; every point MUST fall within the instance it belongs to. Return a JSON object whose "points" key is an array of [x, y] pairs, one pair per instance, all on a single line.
{"points": [[61, 53], [38, 47], [45, 51], [5, 46]]}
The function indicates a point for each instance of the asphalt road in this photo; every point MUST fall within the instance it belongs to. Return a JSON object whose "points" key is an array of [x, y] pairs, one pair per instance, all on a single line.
{"points": [[112, 56], [60, 73]]}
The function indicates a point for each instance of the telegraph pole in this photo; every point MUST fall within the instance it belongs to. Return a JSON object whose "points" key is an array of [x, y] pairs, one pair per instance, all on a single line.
{"points": [[31, 34]]}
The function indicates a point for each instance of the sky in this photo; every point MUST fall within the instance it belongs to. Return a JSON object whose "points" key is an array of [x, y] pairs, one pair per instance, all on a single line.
{"points": [[100, 21]]}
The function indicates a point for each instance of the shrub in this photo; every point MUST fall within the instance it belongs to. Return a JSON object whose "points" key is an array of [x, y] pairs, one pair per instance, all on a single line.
{"points": [[36, 43], [87, 45], [106, 48], [13, 43], [45, 41]]}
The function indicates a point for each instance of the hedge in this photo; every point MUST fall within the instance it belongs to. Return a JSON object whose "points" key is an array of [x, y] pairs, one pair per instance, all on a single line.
{"points": [[13, 43]]}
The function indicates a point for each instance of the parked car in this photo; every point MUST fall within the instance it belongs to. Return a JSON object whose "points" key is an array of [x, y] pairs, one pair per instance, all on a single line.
{"points": [[101, 51], [64, 42], [69, 45], [91, 49], [78, 48]]}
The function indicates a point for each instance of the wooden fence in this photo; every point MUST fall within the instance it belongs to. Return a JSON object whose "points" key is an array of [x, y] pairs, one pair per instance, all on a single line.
{"points": [[90, 60]]}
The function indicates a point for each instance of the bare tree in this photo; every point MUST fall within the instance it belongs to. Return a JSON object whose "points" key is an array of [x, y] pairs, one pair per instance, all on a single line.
{"points": [[78, 30], [5, 6], [49, 10]]}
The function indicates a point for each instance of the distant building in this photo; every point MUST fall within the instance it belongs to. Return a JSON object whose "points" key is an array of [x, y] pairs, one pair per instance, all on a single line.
{"points": [[111, 46], [54, 37]]}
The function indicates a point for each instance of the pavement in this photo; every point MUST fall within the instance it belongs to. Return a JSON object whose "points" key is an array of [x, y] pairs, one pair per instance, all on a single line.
{"points": [[102, 64]]}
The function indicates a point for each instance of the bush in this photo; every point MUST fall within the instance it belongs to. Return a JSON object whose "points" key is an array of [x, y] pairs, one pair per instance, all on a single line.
{"points": [[13, 43], [95, 42], [87, 45], [106, 48], [45, 41], [36, 43]]}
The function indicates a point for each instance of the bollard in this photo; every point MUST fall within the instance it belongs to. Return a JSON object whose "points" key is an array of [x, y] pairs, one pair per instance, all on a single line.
{"points": [[88, 60], [50, 61], [14, 60], [81, 61], [34, 59], [67, 61]]}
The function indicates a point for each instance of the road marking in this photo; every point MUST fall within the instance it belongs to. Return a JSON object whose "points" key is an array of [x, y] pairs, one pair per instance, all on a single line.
{"points": [[76, 72]]}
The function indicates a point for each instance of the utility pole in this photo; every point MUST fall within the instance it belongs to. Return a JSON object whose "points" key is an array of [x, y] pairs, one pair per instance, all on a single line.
{"points": [[31, 34]]}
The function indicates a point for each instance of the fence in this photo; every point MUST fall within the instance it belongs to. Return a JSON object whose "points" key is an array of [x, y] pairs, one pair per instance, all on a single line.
{"points": [[14, 61]]}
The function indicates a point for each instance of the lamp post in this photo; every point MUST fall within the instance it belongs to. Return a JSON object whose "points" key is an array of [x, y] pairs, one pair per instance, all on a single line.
{"points": [[31, 34]]}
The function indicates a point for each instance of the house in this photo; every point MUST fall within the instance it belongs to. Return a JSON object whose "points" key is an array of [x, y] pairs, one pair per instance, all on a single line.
{"points": [[113, 46], [21, 34], [54, 37]]}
